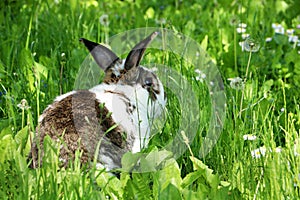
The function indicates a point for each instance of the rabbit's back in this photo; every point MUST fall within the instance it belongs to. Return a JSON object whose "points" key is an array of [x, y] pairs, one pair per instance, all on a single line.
{"points": [[80, 121]]}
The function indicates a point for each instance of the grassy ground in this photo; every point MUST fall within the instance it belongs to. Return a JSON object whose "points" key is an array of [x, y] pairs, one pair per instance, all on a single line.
{"points": [[257, 154]]}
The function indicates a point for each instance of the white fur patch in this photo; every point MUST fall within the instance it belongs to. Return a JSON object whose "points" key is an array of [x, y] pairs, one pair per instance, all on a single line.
{"points": [[61, 97], [117, 99]]}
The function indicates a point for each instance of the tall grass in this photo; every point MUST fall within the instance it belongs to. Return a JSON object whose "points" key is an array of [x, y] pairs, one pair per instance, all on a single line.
{"points": [[40, 57]]}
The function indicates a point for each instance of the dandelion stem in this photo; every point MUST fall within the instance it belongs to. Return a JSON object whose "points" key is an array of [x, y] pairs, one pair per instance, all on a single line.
{"points": [[243, 91], [23, 117], [235, 52], [248, 64]]}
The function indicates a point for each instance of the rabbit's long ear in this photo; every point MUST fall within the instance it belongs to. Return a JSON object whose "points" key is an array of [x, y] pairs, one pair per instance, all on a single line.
{"points": [[102, 55], [135, 56]]}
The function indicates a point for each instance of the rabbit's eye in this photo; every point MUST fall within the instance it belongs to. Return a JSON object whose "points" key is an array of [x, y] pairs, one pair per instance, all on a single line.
{"points": [[148, 82]]}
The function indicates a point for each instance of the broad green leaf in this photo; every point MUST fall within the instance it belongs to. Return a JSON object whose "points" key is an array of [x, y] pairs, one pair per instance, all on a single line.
{"points": [[192, 177], [21, 162], [2, 71], [198, 164], [110, 184], [138, 187], [7, 130], [21, 136], [129, 160], [157, 157], [192, 195], [7, 147], [171, 192], [40, 70], [211, 178], [170, 174], [27, 63]]}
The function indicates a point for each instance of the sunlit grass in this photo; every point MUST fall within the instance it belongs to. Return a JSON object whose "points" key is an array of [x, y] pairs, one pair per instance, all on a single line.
{"points": [[258, 153]]}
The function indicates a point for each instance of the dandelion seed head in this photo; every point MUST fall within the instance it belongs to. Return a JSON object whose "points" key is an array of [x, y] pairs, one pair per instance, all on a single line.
{"points": [[161, 21], [23, 105], [251, 45], [104, 20], [236, 83], [234, 21]]}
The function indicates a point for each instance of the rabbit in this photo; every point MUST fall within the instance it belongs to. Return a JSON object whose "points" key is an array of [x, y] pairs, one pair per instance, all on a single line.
{"points": [[117, 114]]}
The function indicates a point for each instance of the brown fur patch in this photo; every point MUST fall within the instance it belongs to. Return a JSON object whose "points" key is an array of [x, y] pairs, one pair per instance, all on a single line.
{"points": [[81, 122]]}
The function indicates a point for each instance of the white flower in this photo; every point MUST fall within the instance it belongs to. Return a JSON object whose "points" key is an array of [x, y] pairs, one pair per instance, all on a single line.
{"points": [[240, 30], [201, 76], [282, 110], [268, 39], [249, 137], [290, 31], [236, 83], [258, 153], [278, 28], [63, 54], [245, 35], [242, 25], [293, 38], [104, 20], [276, 25], [278, 149]]}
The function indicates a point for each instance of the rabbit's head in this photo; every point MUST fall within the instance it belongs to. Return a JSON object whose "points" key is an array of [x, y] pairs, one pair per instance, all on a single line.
{"points": [[128, 71]]}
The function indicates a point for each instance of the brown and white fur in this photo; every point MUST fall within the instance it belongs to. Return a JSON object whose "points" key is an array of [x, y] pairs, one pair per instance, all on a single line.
{"points": [[117, 113]]}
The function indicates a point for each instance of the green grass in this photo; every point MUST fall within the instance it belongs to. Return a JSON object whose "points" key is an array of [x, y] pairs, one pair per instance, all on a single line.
{"points": [[40, 58]]}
